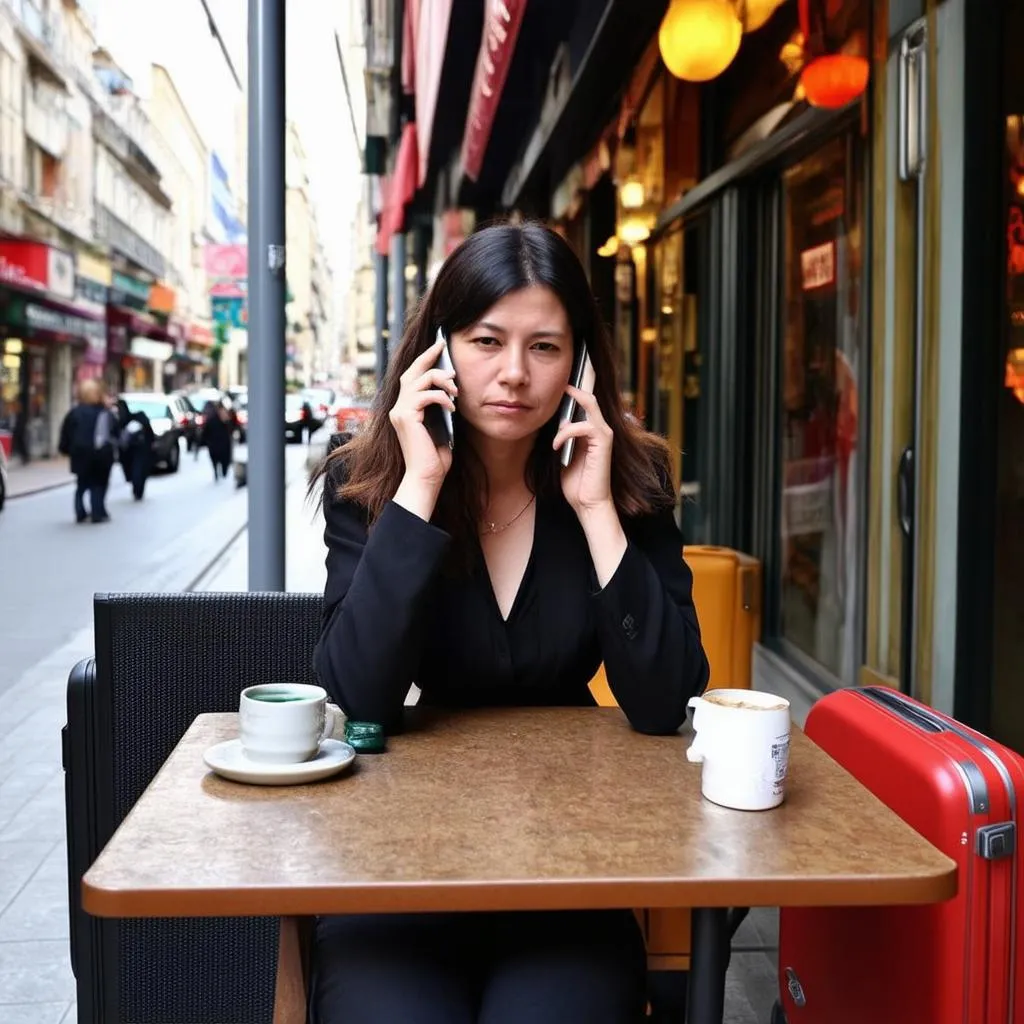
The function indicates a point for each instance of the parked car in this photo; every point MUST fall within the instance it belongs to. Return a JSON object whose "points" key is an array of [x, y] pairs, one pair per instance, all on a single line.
{"points": [[298, 417], [3, 476], [193, 417], [168, 417], [351, 413]]}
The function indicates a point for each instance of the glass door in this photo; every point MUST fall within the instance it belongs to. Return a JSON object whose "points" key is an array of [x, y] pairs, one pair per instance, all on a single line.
{"points": [[821, 498]]}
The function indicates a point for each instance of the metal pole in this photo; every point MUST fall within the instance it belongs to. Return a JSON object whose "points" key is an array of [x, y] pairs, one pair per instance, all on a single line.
{"points": [[397, 289], [380, 270], [420, 251], [266, 294]]}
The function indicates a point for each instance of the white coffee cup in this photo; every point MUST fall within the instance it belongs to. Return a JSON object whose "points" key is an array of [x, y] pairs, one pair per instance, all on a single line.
{"points": [[283, 723], [742, 740]]}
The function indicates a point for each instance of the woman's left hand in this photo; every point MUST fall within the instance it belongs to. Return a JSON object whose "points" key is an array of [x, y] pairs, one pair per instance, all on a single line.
{"points": [[587, 482]]}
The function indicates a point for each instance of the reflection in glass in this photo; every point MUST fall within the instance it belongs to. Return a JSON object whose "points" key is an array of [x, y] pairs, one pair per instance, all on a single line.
{"points": [[1008, 605], [820, 498]]}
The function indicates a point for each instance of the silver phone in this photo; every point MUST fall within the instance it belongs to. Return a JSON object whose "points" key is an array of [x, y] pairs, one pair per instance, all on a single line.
{"points": [[439, 419], [570, 412]]}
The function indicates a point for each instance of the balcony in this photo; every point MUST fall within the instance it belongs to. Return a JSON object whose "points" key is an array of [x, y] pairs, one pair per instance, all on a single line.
{"points": [[46, 124], [45, 43]]}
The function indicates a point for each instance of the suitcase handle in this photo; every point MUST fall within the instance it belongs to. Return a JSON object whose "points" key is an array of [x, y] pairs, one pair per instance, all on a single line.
{"points": [[897, 703]]}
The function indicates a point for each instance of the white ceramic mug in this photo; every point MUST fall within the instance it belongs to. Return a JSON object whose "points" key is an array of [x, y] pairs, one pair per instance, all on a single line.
{"points": [[283, 723], [742, 740]]}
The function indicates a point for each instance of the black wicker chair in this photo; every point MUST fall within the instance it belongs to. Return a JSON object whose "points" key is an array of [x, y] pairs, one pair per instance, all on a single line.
{"points": [[162, 659]]}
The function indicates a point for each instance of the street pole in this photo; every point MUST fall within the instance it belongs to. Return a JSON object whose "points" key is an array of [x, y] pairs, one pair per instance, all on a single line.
{"points": [[266, 294], [397, 290], [380, 313]]}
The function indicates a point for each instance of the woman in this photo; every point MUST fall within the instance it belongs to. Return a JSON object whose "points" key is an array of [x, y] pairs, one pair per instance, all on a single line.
{"points": [[88, 435], [216, 435], [136, 447], [488, 575]]}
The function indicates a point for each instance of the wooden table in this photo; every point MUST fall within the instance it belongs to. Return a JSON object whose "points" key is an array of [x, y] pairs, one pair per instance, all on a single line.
{"points": [[558, 808]]}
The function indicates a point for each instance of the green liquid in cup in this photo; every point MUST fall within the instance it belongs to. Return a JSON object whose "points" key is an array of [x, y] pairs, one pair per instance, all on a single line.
{"points": [[277, 698]]}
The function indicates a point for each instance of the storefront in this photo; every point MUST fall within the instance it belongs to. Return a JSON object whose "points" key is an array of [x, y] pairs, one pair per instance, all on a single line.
{"points": [[49, 339], [740, 318], [139, 342]]}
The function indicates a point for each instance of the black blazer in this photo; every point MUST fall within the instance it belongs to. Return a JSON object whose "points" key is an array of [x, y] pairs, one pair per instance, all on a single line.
{"points": [[396, 612]]}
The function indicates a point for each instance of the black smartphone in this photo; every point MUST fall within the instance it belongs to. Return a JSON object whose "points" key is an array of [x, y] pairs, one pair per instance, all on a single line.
{"points": [[438, 420], [570, 411]]}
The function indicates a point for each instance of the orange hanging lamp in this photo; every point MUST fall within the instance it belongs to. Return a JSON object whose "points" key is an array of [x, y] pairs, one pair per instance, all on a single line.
{"points": [[698, 39], [830, 79]]}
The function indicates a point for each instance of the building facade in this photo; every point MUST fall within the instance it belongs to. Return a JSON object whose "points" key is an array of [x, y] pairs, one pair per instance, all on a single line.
{"points": [[185, 161]]}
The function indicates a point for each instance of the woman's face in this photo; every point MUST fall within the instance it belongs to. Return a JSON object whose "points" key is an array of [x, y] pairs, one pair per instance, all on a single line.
{"points": [[512, 366]]}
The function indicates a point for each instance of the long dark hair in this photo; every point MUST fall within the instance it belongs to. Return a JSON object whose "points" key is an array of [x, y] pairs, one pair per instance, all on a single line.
{"points": [[487, 266]]}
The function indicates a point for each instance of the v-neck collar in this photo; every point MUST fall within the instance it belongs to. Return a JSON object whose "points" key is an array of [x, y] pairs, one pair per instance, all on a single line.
{"points": [[485, 574]]}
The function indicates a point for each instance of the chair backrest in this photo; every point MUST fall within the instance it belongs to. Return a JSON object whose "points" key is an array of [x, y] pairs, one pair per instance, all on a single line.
{"points": [[162, 659]]}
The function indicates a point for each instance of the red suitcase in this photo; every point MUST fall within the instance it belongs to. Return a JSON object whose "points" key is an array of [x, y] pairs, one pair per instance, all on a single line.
{"points": [[958, 962]]}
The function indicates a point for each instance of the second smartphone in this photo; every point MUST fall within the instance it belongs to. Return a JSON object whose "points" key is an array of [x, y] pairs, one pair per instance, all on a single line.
{"points": [[583, 379]]}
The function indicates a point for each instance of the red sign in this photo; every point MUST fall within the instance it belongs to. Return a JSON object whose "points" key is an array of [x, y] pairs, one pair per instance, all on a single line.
{"points": [[224, 261], [502, 21], [25, 264], [200, 335]]}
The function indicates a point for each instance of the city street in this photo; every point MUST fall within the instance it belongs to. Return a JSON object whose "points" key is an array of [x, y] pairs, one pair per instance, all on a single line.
{"points": [[188, 533], [52, 565]]}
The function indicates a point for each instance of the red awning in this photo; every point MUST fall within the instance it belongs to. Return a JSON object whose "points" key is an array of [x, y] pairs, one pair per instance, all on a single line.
{"points": [[502, 21], [398, 189], [431, 40]]}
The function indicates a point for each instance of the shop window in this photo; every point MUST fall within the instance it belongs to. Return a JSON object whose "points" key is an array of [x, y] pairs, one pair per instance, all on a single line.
{"points": [[1008, 603], [821, 502]]}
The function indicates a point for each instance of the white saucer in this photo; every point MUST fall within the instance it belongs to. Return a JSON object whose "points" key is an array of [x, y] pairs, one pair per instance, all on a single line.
{"points": [[228, 759]]}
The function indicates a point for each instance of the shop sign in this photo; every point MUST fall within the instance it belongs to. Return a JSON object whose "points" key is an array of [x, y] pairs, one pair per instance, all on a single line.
{"points": [[38, 266], [61, 273], [818, 265], [42, 318], [129, 291], [162, 298], [198, 334], [91, 294], [226, 261], [231, 312], [94, 269], [147, 348]]}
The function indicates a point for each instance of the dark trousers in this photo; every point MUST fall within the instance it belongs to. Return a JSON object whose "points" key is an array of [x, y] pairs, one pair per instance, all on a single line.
{"points": [[95, 483], [572, 967], [139, 473], [221, 461]]}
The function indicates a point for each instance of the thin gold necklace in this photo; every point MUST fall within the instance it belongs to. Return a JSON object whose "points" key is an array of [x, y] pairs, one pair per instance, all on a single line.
{"points": [[493, 528]]}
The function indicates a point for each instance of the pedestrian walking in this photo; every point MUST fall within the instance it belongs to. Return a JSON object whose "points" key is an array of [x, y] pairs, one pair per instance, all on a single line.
{"points": [[217, 430], [135, 447], [88, 437]]}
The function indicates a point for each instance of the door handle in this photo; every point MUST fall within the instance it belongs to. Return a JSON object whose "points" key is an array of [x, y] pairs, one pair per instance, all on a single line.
{"points": [[905, 491]]}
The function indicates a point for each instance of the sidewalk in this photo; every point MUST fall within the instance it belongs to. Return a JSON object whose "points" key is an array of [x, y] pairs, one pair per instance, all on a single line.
{"points": [[38, 475], [305, 571]]}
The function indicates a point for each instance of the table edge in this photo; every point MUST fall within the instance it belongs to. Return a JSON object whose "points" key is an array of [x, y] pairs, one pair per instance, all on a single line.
{"points": [[277, 901]]}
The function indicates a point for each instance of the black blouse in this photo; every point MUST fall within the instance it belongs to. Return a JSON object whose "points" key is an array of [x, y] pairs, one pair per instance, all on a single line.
{"points": [[396, 613]]}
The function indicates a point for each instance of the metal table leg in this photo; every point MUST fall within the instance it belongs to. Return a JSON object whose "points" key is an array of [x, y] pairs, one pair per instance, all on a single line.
{"points": [[708, 964]]}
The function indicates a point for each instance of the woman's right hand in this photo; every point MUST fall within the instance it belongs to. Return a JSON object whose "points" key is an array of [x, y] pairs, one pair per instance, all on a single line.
{"points": [[426, 463]]}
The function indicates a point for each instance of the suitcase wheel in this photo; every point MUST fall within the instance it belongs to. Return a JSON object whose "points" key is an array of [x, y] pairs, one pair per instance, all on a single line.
{"points": [[778, 1014]]}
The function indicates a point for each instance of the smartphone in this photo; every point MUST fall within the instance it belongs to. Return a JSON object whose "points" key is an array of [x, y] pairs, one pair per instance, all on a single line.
{"points": [[437, 418], [570, 412]]}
